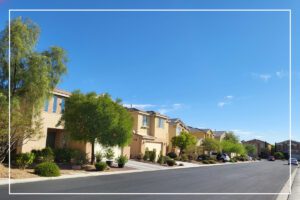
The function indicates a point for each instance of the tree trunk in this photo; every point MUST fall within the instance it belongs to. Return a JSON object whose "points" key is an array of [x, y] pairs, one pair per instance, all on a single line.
{"points": [[93, 153]]}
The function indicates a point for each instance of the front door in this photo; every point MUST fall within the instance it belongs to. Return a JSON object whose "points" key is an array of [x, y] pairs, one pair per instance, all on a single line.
{"points": [[50, 141]]}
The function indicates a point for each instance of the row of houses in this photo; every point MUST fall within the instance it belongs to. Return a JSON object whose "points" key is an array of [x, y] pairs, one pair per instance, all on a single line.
{"points": [[151, 130]]}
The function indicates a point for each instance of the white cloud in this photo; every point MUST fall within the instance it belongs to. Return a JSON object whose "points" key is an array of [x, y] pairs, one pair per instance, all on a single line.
{"points": [[264, 77], [226, 100], [281, 74], [221, 104]]}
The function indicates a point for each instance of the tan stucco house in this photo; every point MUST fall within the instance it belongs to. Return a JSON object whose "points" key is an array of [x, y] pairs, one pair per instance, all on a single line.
{"points": [[54, 136], [176, 126], [219, 135], [262, 147], [201, 134], [150, 131]]}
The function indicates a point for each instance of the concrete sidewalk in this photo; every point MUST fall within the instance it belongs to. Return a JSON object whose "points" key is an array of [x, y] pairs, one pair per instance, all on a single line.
{"points": [[295, 195]]}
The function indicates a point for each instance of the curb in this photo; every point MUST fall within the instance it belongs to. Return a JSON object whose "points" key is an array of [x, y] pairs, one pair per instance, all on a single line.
{"points": [[286, 188], [28, 180]]}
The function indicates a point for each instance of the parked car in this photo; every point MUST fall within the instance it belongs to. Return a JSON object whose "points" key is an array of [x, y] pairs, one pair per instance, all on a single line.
{"points": [[293, 161], [223, 157], [271, 158]]}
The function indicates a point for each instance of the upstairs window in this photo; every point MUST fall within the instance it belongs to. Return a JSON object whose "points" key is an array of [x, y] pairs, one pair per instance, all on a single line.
{"points": [[54, 104], [62, 105], [145, 121], [161, 123], [178, 131], [46, 106]]}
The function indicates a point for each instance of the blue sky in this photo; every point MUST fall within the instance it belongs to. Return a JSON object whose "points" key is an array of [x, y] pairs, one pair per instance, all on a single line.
{"points": [[218, 70]]}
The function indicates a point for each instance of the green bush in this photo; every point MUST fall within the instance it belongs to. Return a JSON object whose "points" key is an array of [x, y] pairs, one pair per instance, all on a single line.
{"points": [[78, 157], [279, 155], [47, 169], [44, 155], [205, 161], [99, 156], [242, 158], [23, 160], [212, 162], [204, 157], [165, 158], [160, 159], [233, 160], [147, 155], [184, 157], [100, 166], [122, 160], [63, 155], [152, 155], [172, 155], [109, 154], [171, 162]]}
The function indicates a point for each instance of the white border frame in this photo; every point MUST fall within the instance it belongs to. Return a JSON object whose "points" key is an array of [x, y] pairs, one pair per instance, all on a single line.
{"points": [[156, 10]]}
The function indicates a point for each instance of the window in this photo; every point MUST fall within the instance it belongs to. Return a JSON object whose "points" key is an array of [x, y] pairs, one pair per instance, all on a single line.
{"points": [[161, 123], [178, 131], [145, 121], [54, 104], [62, 105], [46, 105]]}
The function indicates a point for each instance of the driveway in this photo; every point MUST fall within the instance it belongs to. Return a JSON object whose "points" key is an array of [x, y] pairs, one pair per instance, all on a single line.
{"points": [[150, 167]]}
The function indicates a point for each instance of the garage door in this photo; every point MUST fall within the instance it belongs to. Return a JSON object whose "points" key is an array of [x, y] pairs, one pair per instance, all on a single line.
{"points": [[151, 146]]}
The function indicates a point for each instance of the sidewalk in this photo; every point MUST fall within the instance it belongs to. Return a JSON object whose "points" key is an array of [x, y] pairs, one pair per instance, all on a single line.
{"points": [[295, 188]]}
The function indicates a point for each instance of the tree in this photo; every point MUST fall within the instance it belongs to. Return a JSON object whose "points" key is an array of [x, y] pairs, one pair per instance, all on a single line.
{"points": [[96, 118], [183, 141], [210, 144], [34, 74], [230, 136], [250, 149], [228, 146]]}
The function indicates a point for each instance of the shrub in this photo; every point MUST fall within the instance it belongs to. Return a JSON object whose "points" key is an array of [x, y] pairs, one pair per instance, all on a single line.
{"points": [[181, 164], [78, 157], [99, 157], [109, 154], [63, 155], [171, 162], [152, 155], [100, 166], [184, 157], [165, 158], [233, 160], [279, 155], [242, 158], [140, 156], [147, 155], [172, 155], [205, 161], [212, 162], [44, 155], [121, 160], [161, 159], [203, 157], [47, 169], [23, 160]]}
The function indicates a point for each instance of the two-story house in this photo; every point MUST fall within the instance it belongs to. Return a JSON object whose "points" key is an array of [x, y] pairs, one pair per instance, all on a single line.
{"points": [[201, 134], [53, 136], [150, 131], [263, 148], [176, 126]]}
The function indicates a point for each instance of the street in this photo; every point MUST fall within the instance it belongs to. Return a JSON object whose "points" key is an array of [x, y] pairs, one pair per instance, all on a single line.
{"points": [[259, 177]]}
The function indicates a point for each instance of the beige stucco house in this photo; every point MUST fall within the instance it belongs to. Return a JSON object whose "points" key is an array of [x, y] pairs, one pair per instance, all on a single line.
{"points": [[150, 130], [201, 134], [219, 135], [54, 136], [262, 147], [176, 126]]}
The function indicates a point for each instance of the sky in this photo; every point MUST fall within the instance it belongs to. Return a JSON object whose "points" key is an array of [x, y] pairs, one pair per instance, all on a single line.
{"points": [[218, 70]]}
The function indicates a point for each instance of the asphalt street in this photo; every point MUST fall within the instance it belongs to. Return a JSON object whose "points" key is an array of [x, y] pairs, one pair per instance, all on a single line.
{"points": [[258, 177]]}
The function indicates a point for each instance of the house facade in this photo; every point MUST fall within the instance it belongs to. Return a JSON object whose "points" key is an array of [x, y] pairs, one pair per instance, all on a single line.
{"points": [[201, 134], [150, 131], [219, 135], [284, 147], [176, 126], [53, 136], [263, 148]]}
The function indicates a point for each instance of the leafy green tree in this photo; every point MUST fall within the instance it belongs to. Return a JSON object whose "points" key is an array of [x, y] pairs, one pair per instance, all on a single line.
{"points": [[228, 146], [34, 74], [250, 149], [96, 118], [210, 144], [230, 136], [183, 141]]}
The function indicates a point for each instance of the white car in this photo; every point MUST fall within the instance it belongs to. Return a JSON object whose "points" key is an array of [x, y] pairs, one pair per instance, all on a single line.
{"points": [[293, 161]]}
